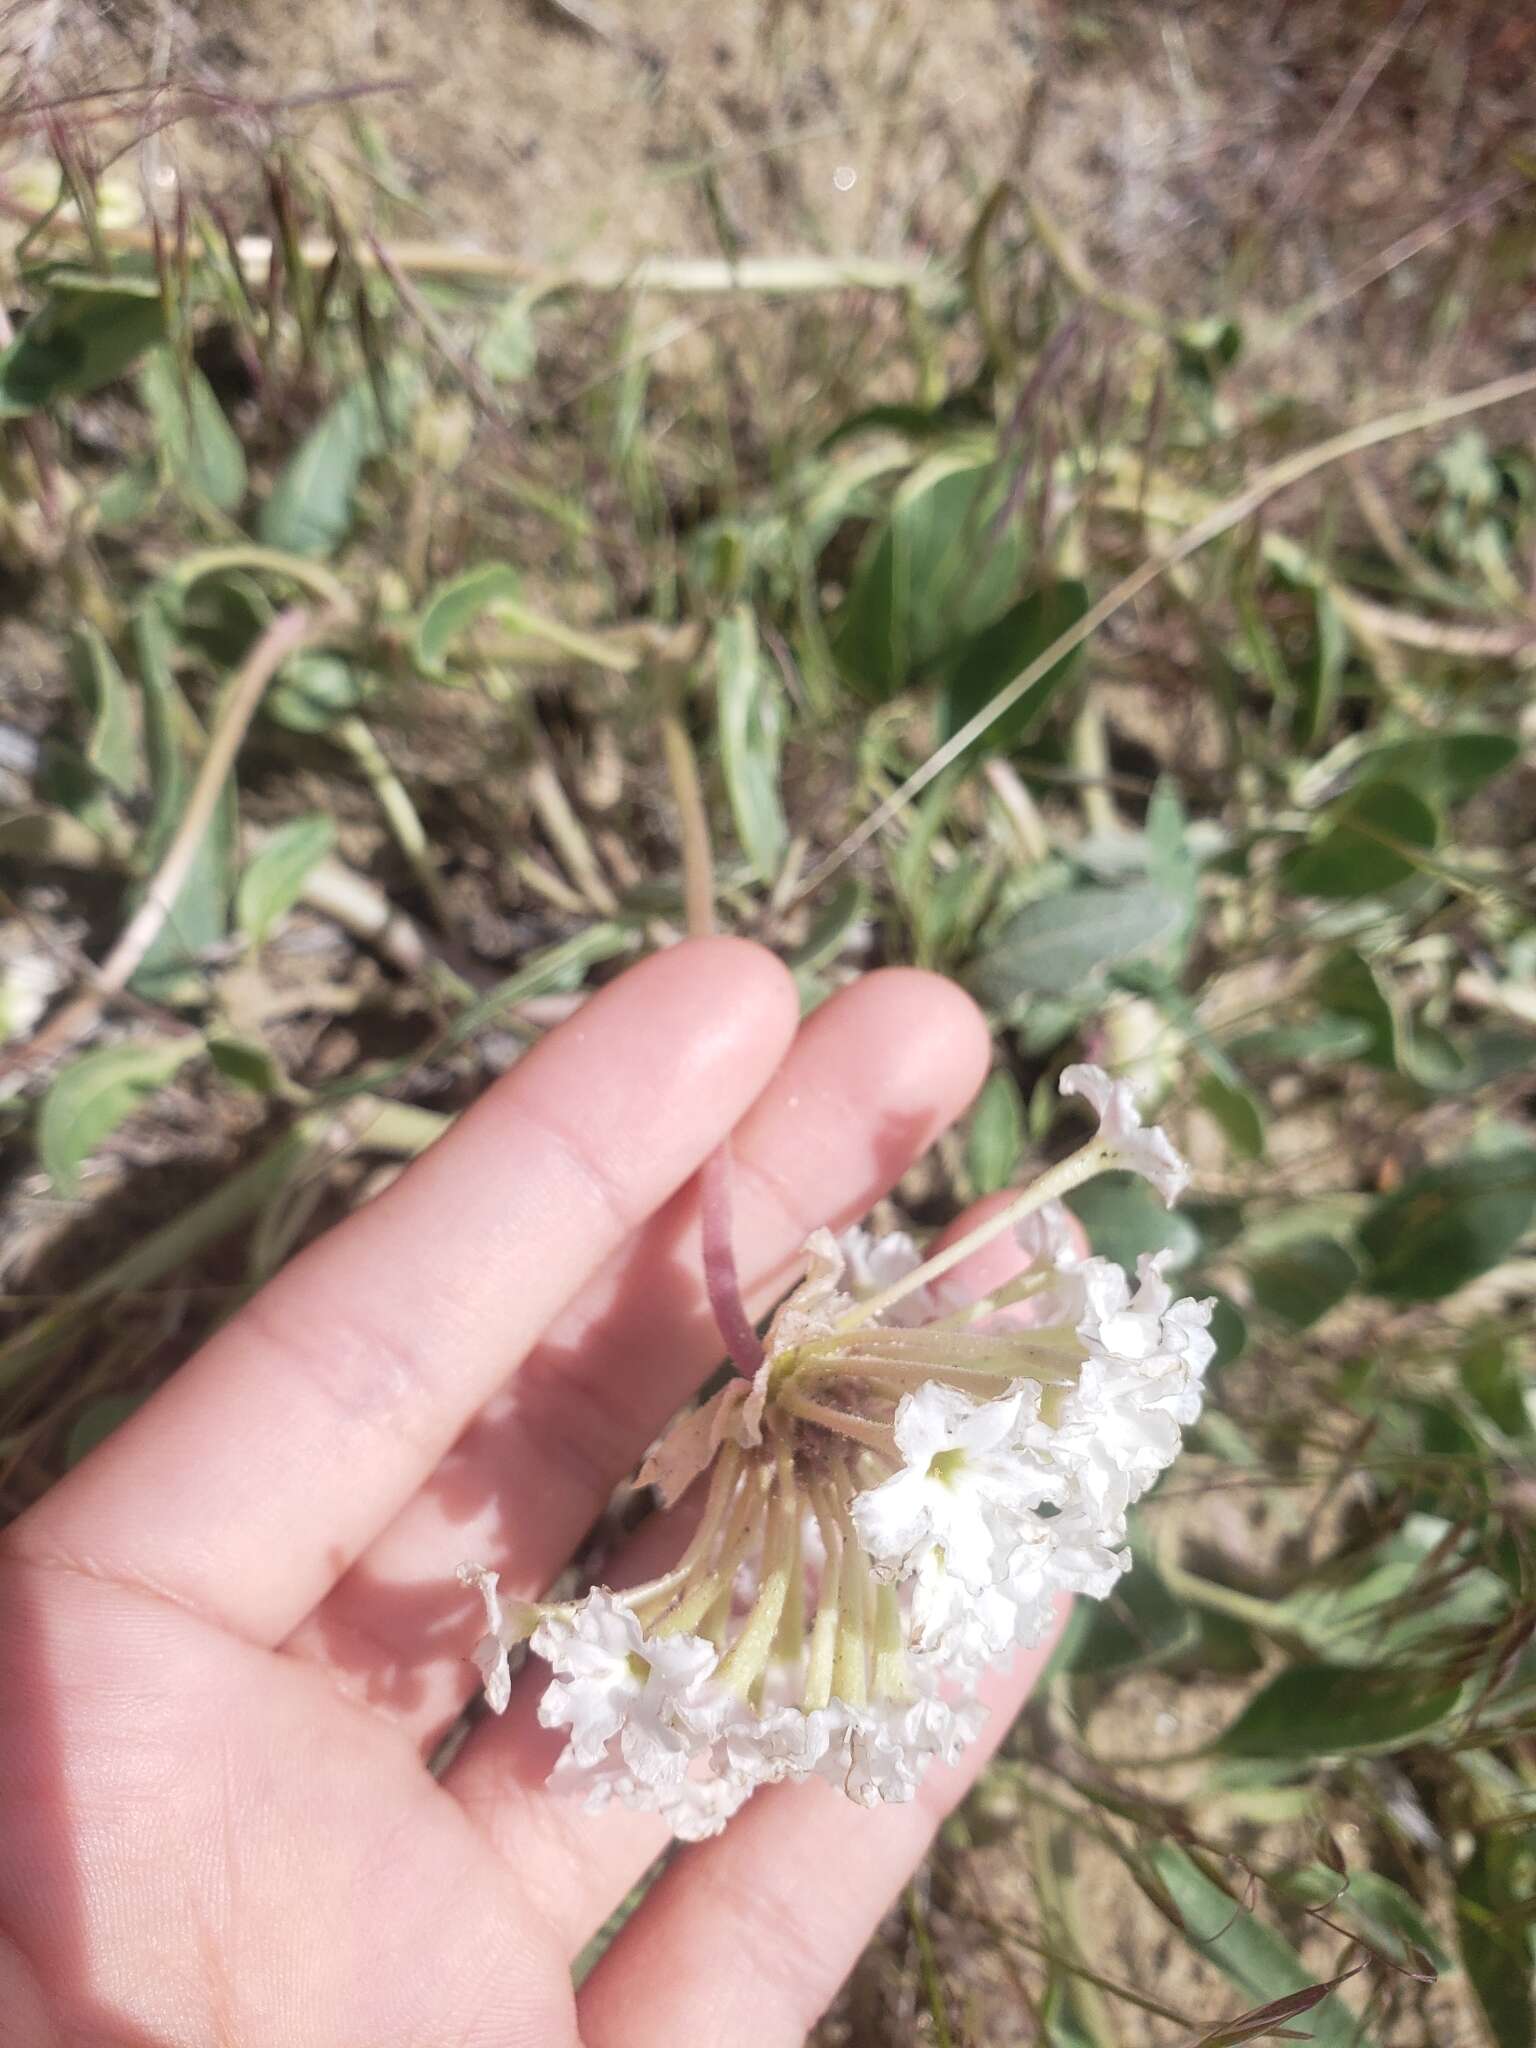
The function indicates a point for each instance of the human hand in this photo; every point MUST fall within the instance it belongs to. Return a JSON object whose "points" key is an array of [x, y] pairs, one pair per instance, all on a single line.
{"points": [[232, 1636]]}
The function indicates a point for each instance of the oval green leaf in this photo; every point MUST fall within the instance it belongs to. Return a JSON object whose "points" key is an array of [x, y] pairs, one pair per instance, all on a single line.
{"points": [[988, 663], [454, 607], [311, 506], [1446, 768], [88, 331], [199, 448], [944, 563], [1448, 1224], [1060, 944], [996, 1137], [274, 878], [1368, 843], [95, 1093], [1302, 1280], [1322, 1710], [113, 746]]}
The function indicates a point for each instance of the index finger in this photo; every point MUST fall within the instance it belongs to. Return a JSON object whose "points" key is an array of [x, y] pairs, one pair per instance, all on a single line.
{"points": [[249, 1483]]}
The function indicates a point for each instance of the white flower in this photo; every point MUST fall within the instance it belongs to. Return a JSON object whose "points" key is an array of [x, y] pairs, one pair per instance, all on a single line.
{"points": [[963, 1468], [879, 1753], [505, 1627], [875, 1263], [612, 1679], [962, 1629], [1138, 1148], [760, 1748], [692, 1807], [1140, 1384], [1067, 1552], [1048, 1236]]}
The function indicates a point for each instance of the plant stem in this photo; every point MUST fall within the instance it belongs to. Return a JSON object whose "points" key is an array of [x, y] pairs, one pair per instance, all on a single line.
{"points": [[1068, 1174], [747, 1657], [284, 636], [818, 1669], [721, 1279], [873, 1435]]}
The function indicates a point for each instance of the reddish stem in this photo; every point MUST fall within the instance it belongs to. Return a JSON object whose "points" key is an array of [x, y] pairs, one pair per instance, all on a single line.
{"points": [[720, 1275]]}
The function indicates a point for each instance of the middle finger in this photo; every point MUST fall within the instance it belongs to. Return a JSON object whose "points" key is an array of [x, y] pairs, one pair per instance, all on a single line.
{"points": [[874, 1075]]}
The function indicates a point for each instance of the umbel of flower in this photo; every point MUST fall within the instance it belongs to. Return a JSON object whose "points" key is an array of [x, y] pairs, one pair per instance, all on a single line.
{"points": [[893, 1503]]}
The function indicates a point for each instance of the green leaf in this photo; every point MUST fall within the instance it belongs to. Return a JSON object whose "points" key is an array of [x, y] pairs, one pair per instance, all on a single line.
{"points": [[1492, 1922], [311, 507], [275, 877], [113, 747], [1236, 1109], [1446, 1225], [1124, 1218], [88, 331], [844, 909], [1389, 1917], [199, 917], [313, 691], [1367, 844], [942, 565], [1243, 1948], [1326, 1038], [1444, 769], [988, 663], [247, 1063], [1317, 693], [1303, 1279], [1321, 1710], [1492, 1374], [996, 1136], [453, 608], [1229, 1329], [509, 348], [167, 723], [94, 1094], [751, 716], [1058, 944], [1388, 1604], [1348, 987], [199, 448]]}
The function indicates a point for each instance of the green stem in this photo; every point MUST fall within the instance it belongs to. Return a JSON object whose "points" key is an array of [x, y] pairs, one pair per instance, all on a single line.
{"points": [[569, 639], [744, 1662], [1094, 1158], [400, 813], [819, 1663], [850, 1655], [308, 575]]}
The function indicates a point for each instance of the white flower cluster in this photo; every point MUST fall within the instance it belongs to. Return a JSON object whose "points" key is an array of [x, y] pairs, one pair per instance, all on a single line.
{"points": [[896, 1503]]}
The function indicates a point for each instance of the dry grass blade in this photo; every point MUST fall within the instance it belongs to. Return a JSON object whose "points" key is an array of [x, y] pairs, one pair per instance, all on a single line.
{"points": [[1280, 476]]}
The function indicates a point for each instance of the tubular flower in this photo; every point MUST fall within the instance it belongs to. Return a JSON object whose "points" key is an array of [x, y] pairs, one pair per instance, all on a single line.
{"points": [[897, 1500]]}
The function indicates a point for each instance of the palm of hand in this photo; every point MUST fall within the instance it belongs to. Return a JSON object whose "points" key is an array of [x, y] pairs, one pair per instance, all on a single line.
{"points": [[232, 1636], [217, 1845]]}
